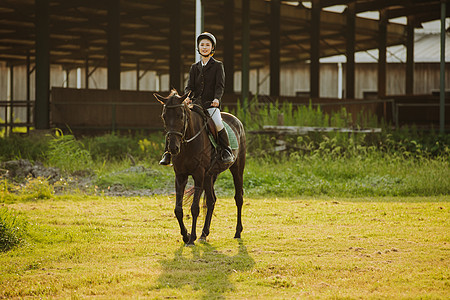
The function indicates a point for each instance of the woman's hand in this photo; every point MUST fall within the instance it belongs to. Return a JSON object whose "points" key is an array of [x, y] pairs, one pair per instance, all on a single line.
{"points": [[215, 103]]}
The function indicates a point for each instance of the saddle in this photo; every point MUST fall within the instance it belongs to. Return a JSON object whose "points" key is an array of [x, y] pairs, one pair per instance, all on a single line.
{"points": [[211, 127], [216, 166]]}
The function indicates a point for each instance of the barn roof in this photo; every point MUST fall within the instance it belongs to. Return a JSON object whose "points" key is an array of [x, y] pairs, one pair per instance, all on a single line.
{"points": [[78, 30], [426, 50]]}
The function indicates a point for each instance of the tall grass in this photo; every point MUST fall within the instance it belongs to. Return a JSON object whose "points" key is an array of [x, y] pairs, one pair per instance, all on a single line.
{"points": [[393, 163], [68, 154], [114, 147], [409, 141], [254, 115], [372, 175], [19, 147], [12, 229]]}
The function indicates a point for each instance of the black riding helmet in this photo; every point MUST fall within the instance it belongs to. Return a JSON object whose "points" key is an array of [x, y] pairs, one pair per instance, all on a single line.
{"points": [[209, 36]]}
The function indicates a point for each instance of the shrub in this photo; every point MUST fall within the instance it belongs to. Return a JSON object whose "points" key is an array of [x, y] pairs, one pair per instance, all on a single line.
{"points": [[68, 154], [119, 147], [23, 147], [151, 147], [109, 146], [255, 115], [36, 188], [12, 230], [7, 192]]}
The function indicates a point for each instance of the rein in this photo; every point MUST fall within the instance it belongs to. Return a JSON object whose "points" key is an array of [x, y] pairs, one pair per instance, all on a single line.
{"points": [[185, 125]]}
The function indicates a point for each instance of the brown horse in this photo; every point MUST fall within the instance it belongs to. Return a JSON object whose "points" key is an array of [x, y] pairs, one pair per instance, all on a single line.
{"points": [[192, 154]]}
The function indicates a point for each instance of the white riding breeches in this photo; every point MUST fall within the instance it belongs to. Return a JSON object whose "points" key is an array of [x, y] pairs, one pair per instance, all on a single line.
{"points": [[214, 112]]}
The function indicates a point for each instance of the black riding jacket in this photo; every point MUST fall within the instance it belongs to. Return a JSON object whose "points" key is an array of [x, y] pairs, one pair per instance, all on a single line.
{"points": [[206, 83]]}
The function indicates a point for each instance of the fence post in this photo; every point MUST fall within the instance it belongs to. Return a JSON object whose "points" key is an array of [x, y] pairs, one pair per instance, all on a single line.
{"points": [[11, 99], [113, 117], [28, 93], [280, 120], [395, 113], [442, 71]]}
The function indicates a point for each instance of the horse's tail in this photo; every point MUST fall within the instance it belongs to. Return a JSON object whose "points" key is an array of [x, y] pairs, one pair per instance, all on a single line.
{"points": [[188, 198]]}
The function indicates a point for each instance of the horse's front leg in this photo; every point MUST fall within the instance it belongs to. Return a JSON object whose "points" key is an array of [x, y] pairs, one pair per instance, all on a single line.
{"points": [[195, 208], [180, 184]]}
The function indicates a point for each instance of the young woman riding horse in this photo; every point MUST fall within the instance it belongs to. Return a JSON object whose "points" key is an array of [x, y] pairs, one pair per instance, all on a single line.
{"points": [[189, 145], [206, 85]]}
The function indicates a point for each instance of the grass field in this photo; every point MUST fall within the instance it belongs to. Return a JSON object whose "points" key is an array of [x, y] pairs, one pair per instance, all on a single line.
{"points": [[334, 216], [104, 247]]}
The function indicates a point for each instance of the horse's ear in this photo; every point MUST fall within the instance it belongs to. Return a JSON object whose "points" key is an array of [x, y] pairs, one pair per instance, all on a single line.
{"points": [[160, 98], [185, 96]]}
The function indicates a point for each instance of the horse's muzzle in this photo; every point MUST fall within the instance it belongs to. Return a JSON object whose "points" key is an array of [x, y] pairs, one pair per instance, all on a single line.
{"points": [[174, 151], [174, 147], [175, 139]]}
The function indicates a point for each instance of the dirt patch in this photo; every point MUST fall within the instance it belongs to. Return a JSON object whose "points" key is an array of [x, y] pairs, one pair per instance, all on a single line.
{"points": [[20, 171]]}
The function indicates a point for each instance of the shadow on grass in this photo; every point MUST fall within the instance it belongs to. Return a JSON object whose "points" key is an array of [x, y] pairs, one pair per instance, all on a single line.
{"points": [[204, 268]]}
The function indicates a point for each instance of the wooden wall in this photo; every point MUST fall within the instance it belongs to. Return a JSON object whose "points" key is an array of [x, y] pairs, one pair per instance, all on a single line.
{"points": [[90, 111], [294, 78]]}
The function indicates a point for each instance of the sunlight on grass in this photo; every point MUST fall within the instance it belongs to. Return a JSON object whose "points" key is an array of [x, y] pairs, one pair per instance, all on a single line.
{"points": [[78, 246]]}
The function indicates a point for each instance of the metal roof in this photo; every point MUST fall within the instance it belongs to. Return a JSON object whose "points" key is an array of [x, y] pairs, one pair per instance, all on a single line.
{"points": [[426, 50], [78, 30]]}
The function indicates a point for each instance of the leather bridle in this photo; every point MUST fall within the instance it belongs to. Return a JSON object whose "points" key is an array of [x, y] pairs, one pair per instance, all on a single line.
{"points": [[185, 120], [185, 124]]}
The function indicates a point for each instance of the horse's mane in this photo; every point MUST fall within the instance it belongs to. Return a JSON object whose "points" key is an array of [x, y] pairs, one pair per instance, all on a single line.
{"points": [[173, 92]]}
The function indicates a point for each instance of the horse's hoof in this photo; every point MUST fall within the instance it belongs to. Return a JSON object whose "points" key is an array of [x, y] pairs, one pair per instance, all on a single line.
{"points": [[186, 238], [202, 239], [190, 244], [237, 236]]}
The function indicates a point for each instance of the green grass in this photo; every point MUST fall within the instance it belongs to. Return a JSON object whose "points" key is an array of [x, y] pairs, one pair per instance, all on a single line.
{"points": [[104, 247], [68, 154], [12, 230], [338, 216], [405, 162], [336, 165], [373, 175]]}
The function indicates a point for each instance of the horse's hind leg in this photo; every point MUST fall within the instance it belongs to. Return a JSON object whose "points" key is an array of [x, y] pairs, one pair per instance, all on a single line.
{"points": [[210, 203], [237, 170], [180, 184]]}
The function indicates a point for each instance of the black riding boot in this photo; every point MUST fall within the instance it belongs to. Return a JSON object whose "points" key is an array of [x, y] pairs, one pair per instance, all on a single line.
{"points": [[224, 142], [166, 157]]}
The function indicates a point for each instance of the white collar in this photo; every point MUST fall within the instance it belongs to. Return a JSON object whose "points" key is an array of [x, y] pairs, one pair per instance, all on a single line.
{"points": [[204, 64]]}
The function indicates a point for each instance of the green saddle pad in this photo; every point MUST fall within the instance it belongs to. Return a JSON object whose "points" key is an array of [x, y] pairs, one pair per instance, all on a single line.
{"points": [[231, 136]]}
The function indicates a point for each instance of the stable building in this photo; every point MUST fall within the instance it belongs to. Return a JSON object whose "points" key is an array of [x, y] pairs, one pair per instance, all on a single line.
{"points": [[87, 64]]}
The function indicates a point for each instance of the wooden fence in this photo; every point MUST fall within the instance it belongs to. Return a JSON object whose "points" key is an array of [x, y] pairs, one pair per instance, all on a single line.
{"points": [[93, 111], [98, 111]]}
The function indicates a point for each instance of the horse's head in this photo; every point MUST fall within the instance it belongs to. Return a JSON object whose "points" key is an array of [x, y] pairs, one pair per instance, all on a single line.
{"points": [[175, 118]]}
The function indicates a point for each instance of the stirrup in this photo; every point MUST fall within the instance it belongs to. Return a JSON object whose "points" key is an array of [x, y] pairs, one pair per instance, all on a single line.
{"points": [[227, 156]]}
